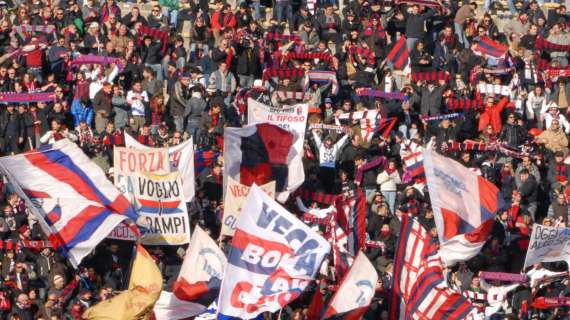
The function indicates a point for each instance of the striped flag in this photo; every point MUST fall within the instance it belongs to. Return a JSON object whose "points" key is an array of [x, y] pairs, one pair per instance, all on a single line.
{"points": [[415, 166], [491, 48], [203, 159], [352, 218], [77, 206], [419, 289], [399, 55], [464, 206], [355, 292]]}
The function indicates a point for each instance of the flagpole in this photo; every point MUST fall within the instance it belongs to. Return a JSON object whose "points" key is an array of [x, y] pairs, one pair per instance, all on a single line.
{"points": [[280, 312]]}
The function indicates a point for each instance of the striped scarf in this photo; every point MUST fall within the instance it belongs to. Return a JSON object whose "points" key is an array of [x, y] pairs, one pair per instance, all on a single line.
{"points": [[319, 197], [18, 244], [369, 92], [486, 88], [474, 146], [375, 244], [155, 34], [283, 73], [25, 29], [307, 217], [431, 76], [95, 59], [491, 48], [557, 73], [324, 56], [330, 127], [479, 296], [321, 77], [441, 117], [464, 104], [12, 97], [293, 95], [282, 39], [477, 70], [543, 44]]}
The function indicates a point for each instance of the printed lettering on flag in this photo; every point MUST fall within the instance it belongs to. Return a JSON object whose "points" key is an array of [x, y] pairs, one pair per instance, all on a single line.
{"points": [[201, 272], [160, 203], [233, 201], [464, 206], [264, 152], [128, 160], [122, 232], [181, 158], [273, 257], [356, 290], [548, 244], [291, 118], [77, 206]]}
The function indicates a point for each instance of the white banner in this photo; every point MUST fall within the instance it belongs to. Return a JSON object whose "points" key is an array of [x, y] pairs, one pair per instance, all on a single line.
{"points": [[160, 204], [153, 160], [181, 158], [548, 244], [291, 118], [233, 201], [273, 257]]}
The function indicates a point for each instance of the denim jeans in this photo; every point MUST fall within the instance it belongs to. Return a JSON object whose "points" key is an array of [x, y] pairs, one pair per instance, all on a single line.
{"points": [[156, 68], [193, 129], [461, 34], [284, 8], [411, 42], [510, 3], [178, 123], [390, 197]]}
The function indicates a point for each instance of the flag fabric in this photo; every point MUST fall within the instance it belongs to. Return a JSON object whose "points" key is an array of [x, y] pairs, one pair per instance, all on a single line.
{"points": [[204, 159], [169, 307], [273, 257], [491, 48], [77, 206], [316, 306], [145, 286], [356, 290], [181, 159], [260, 153], [419, 288], [464, 206], [351, 215], [415, 166], [201, 273], [399, 56], [293, 119]]}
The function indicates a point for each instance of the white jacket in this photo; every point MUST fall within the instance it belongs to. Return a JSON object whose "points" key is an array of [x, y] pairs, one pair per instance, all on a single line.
{"points": [[535, 102], [388, 182], [327, 156]]}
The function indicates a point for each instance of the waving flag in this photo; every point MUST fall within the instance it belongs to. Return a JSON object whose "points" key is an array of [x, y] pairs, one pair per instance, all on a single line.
{"points": [[356, 290], [464, 206], [261, 153], [419, 289], [415, 166], [351, 215], [145, 287], [169, 307], [399, 56], [491, 48], [76, 204], [201, 273], [273, 257], [181, 158]]}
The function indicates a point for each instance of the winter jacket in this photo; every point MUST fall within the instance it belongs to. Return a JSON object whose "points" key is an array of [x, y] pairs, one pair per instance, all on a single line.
{"points": [[81, 112]]}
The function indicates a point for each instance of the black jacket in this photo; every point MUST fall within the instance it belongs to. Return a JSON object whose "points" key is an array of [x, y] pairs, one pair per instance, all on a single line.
{"points": [[415, 23]]}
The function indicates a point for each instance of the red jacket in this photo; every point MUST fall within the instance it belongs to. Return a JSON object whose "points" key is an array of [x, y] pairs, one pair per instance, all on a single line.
{"points": [[492, 115]]}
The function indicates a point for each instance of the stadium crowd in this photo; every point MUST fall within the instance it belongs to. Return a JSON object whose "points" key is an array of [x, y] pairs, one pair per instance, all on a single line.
{"points": [[484, 86]]}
